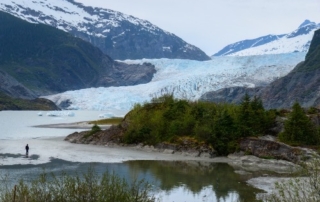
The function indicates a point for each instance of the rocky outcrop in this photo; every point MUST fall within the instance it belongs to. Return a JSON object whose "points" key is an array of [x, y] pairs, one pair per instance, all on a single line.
{"points": [[104, 137], [113, 135], [230, 95], [274, 150], [252, 163], [13, 88]]}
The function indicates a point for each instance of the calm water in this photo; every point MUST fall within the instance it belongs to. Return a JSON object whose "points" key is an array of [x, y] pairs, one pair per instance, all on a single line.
{"points": [[176, 181]]}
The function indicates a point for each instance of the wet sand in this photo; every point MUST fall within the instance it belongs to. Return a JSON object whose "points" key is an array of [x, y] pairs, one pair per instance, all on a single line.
{"points": [[56, 147]]}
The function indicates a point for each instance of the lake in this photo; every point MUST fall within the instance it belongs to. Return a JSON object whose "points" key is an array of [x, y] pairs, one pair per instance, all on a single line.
{"points": [[176, 178]]}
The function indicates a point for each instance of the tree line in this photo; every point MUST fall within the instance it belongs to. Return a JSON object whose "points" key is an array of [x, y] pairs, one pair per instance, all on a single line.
{"points": [[219, 125]]}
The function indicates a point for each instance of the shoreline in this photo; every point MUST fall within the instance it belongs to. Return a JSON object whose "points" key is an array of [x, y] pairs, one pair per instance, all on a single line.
{"points": [[238, 161], [246, 163], [242, 164], [82, 153], [76, 125]]}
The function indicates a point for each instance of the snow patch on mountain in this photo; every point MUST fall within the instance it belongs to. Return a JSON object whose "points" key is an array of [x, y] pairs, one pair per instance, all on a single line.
{"points": [[285, 44], [118, 35], [185, 79], [68, 15], [297, 41]]}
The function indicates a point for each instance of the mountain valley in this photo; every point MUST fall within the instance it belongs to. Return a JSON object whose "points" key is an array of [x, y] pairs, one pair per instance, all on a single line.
{"points": [[41, 60]]}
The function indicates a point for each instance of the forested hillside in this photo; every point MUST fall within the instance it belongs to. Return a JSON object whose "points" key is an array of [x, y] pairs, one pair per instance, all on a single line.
{"points": [[43, 60]]}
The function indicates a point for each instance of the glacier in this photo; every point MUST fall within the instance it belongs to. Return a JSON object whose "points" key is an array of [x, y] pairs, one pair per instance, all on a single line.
{"points": [[184, 79]]}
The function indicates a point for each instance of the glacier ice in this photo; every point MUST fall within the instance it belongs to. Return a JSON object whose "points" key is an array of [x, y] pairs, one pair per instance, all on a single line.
{"points": [[185, 79]]}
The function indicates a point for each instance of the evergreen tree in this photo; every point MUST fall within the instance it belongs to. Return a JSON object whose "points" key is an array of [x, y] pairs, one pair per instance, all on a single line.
{"points": [[258, 117], [224, 132], [245, 117], [299, 129], [252, 118]]}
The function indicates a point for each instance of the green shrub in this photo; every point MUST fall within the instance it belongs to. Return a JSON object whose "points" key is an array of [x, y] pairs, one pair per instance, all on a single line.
{"points": [[95, 128], [89, 187], [312, 110]]}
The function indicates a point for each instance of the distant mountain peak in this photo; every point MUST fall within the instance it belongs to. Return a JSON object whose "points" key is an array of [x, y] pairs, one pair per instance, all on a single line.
{"points": [[306, 23], [296, 41], [119, 35]]}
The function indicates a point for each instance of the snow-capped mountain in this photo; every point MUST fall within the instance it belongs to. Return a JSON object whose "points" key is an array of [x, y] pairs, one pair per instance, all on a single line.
{"points": [[184, 79], [118, 35], [296, 41]]}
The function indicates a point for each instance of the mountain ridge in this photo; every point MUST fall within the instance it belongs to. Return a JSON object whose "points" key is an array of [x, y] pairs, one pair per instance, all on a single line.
{"points": [[37, 59], [296, 41], [119, 35], [300, 85]]}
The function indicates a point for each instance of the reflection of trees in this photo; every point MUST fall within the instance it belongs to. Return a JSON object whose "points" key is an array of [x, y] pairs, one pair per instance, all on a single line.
{"points": [[195, 176]]}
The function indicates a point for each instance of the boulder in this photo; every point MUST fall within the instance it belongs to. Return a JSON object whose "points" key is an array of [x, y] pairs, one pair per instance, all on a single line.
{"points": [[268, 149]]}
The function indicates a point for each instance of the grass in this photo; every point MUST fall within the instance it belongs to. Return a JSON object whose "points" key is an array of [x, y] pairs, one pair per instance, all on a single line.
{"points": [[86, 187], [304, 187], [109, 121]]}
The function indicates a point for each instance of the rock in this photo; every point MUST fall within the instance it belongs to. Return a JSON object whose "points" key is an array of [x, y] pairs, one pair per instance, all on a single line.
{"points": [[205, 155], [252, 163], [74, 137], [168, 151], [279, 125], [272, 150]]}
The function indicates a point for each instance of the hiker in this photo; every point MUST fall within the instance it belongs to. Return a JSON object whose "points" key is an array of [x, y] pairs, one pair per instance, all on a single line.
{"points": [[27, 149]]}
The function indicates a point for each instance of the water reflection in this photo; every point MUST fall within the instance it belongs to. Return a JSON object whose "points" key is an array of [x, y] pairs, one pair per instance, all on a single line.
{"points": [[176, 180], [195, 176]]}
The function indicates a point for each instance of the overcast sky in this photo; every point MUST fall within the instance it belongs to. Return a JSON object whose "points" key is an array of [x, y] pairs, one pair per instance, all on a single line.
{"points": [[213, 24]]}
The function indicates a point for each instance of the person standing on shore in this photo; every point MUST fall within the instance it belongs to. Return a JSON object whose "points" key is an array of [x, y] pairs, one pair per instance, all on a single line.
{"points": [[27, 149]]}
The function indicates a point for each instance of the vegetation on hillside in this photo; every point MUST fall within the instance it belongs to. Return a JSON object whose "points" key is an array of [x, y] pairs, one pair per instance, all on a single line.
{"points": [[108, 121], [312, 61], [166, 119], [220, 126], [45, 59], [8, 103]]}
